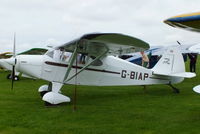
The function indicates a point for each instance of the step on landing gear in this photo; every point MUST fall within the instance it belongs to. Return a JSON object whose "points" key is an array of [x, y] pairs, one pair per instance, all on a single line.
{"points": [[51, 94]]}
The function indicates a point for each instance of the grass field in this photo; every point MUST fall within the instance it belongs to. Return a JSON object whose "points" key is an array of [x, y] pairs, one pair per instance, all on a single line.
{"points": [[100, 110]]}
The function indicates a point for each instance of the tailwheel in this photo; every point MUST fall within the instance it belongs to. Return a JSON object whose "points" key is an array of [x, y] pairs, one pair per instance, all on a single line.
{"points": [[175, 90]]}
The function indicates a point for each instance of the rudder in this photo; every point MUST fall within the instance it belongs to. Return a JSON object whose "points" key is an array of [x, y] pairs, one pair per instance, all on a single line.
{"points": [[171, 62]]}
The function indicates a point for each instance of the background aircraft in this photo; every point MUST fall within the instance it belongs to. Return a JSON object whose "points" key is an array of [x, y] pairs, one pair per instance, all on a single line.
{"points": [[5, 55], [100, 67], [154, 53], [6, 66], [190, 22]]}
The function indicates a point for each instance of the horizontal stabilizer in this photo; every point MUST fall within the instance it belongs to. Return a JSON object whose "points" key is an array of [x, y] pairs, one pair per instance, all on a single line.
{"points": [[182, 75], [197, 89]]}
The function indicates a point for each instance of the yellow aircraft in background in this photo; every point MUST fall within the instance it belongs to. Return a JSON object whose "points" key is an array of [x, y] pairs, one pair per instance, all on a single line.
{"points": [[189, 22], [6, 55]]}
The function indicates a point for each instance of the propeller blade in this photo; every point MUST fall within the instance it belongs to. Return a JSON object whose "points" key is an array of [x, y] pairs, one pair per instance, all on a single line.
{"points": [[13, 77], [14, 48], [13, 67]]}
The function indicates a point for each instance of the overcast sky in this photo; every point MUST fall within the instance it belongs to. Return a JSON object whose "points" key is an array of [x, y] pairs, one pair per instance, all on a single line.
{"points": [[39, 23]]}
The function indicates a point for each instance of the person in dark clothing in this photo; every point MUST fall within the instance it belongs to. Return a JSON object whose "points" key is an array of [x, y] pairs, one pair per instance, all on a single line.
{"points": [[193, 59], [82, 59], [184, 57]]}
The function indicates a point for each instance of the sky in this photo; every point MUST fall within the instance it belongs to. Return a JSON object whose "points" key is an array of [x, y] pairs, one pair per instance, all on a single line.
{"points": [[41, 23]]}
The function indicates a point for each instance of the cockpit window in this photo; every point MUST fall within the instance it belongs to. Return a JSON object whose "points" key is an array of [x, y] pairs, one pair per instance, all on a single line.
{"points": [[60, 55], [50, 54]]}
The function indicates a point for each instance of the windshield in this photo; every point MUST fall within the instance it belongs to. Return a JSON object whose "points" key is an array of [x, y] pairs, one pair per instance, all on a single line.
{"points": [[60, 55]]}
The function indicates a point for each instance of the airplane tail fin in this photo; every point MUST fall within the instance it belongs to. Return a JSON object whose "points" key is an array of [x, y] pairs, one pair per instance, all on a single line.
{"points": [[172, 64]]}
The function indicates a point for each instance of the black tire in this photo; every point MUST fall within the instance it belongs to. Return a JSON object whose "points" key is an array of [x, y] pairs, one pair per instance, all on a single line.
{"points": [[16, 78], [43, 93], [8, 76]]}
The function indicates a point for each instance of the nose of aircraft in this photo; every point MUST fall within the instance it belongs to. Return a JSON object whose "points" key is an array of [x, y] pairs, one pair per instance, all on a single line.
{"points": [[1, 62], [11, 61]]}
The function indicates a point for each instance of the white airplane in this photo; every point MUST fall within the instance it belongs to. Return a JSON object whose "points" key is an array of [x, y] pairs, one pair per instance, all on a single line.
{"points": [[100, 68]]}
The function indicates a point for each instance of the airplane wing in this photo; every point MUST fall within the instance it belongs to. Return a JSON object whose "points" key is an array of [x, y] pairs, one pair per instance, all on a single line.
{"points": [[197, 89], [116, 44], [97, 45], [5, 55], [186, 21]]}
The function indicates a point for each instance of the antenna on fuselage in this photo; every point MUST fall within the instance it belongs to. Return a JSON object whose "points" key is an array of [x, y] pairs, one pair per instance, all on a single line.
{"points": [[178, 43]]}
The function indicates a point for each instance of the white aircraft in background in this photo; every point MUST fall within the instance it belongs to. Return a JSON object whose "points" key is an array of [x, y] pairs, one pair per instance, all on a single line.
{"points": [[100, 67], [190, 22], [6, 66], [155, 52]]}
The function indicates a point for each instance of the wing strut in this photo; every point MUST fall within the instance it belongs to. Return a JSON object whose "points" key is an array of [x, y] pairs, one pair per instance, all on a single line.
{"points": [[88, 64], [73, 57]]}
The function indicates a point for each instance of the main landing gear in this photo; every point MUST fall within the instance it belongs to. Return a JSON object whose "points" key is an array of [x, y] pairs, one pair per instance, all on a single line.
{"points": [[9, 76], [51, 94]]}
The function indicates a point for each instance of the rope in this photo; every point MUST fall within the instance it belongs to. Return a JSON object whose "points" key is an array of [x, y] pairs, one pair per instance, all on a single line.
{"points": [[75, 85]]}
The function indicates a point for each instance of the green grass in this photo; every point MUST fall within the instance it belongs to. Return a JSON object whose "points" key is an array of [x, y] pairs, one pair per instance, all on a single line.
{"points": [[100, 110]]}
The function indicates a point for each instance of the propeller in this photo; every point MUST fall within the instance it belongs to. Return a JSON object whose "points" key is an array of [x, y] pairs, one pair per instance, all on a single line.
{"points": [[15, 61]]}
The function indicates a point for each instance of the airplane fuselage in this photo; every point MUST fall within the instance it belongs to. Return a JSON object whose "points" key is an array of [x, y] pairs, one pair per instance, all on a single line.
{"points": [[112, 71]]}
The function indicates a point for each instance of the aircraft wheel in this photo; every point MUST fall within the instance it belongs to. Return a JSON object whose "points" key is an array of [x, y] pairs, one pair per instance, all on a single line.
{"points": [[43, 90], [8, 76], [47, 104], [43, 93], [16, 78]]}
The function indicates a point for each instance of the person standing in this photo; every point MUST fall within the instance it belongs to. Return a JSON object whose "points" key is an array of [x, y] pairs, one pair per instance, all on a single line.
{"points": [[193, 60], [145, 59]]}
